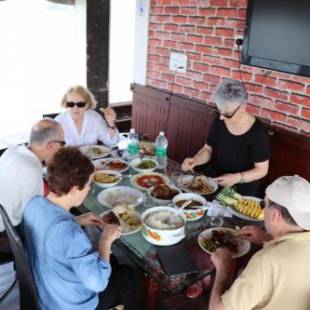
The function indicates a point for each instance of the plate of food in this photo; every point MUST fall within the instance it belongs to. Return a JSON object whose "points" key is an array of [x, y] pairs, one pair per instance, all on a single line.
{"points": [[163, 193], [107, 178], [219, 237], [114, 164], [143, 164], [244, 207], [201, 184], [144, 181], [120, 195], [95, 151], [147, 148], [124, 216]]}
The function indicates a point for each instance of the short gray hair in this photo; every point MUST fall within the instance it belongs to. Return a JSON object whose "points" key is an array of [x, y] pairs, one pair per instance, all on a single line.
{"points": [[230, 91], [44, 131]]}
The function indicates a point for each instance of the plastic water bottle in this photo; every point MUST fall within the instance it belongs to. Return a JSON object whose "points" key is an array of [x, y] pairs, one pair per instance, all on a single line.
{"points": [[161, 145], [133, 145]]}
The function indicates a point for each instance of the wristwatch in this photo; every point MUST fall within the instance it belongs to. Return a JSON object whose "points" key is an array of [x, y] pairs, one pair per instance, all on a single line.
{"points": [[242, 180]]}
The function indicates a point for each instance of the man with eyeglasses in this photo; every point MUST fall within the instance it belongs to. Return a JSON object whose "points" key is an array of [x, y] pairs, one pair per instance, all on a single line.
{"points": [[21, 168], [276, 277], [237, 150]]}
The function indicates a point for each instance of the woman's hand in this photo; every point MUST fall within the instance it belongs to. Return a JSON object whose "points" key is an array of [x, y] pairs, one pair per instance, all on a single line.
{"points": [[254, 234], [89, 219], [109, 115], [188, 164], [110, 233], [228, 179]]}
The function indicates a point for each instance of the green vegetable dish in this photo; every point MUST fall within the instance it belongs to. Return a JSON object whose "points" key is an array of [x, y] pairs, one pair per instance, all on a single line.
{"points": [[147, 164]]}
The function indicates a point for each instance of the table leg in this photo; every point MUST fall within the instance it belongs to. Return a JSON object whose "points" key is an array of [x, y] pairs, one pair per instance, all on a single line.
{"points": [[150, 293]]}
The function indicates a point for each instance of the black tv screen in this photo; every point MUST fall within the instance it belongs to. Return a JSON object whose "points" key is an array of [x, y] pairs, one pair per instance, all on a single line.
{"points": [[277, 36]]}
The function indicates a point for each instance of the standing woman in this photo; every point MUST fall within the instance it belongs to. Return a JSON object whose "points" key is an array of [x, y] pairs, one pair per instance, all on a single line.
{"points": [[237, 148], [82, 125]]}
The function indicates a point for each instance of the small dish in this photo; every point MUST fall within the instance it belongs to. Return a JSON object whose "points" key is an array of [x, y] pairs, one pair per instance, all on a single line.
{"points": [[107, 178]]}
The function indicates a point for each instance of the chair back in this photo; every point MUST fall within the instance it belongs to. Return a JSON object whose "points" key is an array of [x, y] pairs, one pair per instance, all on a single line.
{"points": [[28, 294]]}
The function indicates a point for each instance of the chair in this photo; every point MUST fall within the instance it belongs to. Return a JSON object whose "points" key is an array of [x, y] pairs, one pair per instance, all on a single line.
{"points": [[28, 294]]}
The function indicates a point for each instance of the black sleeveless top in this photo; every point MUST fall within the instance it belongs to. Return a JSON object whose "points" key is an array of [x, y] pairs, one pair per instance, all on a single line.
{"points": [[232, 154]]}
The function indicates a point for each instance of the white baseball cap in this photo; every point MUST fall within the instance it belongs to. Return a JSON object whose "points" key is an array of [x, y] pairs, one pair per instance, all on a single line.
{"points": [[293, 193]]}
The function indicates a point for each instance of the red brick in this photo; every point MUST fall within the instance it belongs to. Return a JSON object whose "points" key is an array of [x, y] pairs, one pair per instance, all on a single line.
{"points": [[213, 41], [229, 43], [154, 58], [177, 36], [212, 60], [273, 115], [188, 10], [163, 18], [195, 76], [157, 10], [155, 42], [285, 107], [171, 27], [219, 3], [197, 20], [239, 3], [187, 28], [201, 67], [214, 79], [162, 35], [154, 74], [157, 83], [162, 51], [289, 85], [172, 10], [223, 51], [266, 80], [241, 75], [165, 60], [214, 21], [308, 90], [180, 2], [179, 19], [230, 63], [154, 26], [170, 43], [207, 11], [255, 88], [183, 81], [205, 95], [200, 85], [204, 30], [298, 99], [300, 124], [203, 49], [167, 77], [276, 94], [305, 113], [227, 13], [191, 92], [242, 13], [194, 38], [253, 109], [261, 101], [220, 71], [186, 46], [224, 32], [194, 56], [163, 67]]}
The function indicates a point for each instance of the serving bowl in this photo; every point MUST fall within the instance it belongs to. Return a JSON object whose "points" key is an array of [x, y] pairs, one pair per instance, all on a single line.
{"points": [[134, 164], [191, 214], [156, 231], [103, 184], [160, 201]]}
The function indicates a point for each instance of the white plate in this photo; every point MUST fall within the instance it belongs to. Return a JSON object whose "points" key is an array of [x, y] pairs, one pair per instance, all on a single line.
{"points": [[125, 229], [137, 161], [244, 246], [100, 164], [109, 172], [241, 215], [88, 150], [119, 195], [183, 179], [162, 201], [133, 180]]}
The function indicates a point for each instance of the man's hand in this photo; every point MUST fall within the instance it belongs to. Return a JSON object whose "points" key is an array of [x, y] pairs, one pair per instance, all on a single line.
{"points": [[223, 261], [89, 219], [254, 234], [188, 164], [228, 179]]}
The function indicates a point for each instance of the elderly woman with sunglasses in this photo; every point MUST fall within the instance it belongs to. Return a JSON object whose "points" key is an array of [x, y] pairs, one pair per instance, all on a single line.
{"points": [[236, 150], [82, 125]]}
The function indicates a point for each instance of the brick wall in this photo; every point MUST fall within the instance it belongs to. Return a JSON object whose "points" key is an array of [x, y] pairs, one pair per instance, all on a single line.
{"points": [[205, 31]]}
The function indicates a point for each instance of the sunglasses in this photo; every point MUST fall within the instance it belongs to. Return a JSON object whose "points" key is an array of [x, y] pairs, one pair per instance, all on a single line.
{"points": [[230, 115], [80, 104], [61, 142]]}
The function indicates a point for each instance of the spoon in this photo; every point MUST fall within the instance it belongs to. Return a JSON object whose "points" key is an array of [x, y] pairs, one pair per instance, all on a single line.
{"points": [[170, 220]]}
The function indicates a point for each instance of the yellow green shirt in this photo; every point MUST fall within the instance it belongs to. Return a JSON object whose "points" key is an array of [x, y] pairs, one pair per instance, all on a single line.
{"points": [[276, 278]]}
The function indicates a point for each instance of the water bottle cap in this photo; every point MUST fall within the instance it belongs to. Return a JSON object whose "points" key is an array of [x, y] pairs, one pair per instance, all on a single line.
{"points": [[132, 130], [161, 133]]}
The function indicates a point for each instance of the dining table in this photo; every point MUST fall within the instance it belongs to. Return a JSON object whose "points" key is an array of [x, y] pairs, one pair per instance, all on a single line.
{"points": [[147, 256]]}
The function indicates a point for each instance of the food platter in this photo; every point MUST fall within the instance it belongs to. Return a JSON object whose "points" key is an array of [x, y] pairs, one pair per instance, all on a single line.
{"points": [[210, 238], [144, 181], [120, 195], [95, 151], [111, 164], [129, 219], [236, 213], [163, 193], [107, 178]]}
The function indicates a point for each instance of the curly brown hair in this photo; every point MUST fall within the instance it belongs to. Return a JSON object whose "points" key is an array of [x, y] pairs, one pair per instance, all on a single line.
{"points": [[69, 167]]}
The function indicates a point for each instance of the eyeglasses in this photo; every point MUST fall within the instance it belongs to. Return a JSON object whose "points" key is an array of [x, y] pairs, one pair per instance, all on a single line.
{"points": [[80, 104], [226, 115], [61, 142]]}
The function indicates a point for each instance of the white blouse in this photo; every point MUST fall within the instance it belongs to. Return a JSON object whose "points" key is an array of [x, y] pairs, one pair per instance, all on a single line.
{"points": [[94, 128]]}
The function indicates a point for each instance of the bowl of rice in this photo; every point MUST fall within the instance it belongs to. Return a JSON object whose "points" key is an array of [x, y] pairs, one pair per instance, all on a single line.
{"points": [[163, 226], [107, 178]]}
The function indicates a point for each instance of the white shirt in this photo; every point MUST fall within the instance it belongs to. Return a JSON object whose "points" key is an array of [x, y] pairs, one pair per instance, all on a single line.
{"points": [[94, 128], [20, 180]]}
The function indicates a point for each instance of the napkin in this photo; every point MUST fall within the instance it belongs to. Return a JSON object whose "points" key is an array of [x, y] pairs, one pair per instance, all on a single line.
{"points": [[216, 209]]}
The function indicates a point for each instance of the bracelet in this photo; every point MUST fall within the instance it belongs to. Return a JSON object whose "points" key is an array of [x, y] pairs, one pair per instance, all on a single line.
{"points": [[242, 180]]}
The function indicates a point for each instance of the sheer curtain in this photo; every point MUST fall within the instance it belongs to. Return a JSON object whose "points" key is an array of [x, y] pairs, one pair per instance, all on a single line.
{"points": [[43, 52]]}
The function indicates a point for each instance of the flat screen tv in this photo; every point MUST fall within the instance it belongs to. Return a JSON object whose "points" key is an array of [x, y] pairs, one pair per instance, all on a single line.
{"points": [[277, 36]]}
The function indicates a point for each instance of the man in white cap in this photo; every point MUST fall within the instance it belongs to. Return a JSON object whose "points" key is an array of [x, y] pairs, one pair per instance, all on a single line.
{"points": [[278, 276]]}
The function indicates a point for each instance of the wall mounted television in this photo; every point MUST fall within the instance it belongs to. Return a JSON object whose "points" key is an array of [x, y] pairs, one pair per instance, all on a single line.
{"points": [[277, 36]]}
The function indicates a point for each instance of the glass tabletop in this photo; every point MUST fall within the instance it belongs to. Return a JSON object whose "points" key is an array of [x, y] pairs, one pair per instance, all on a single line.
{"points": [[145, 254]]}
